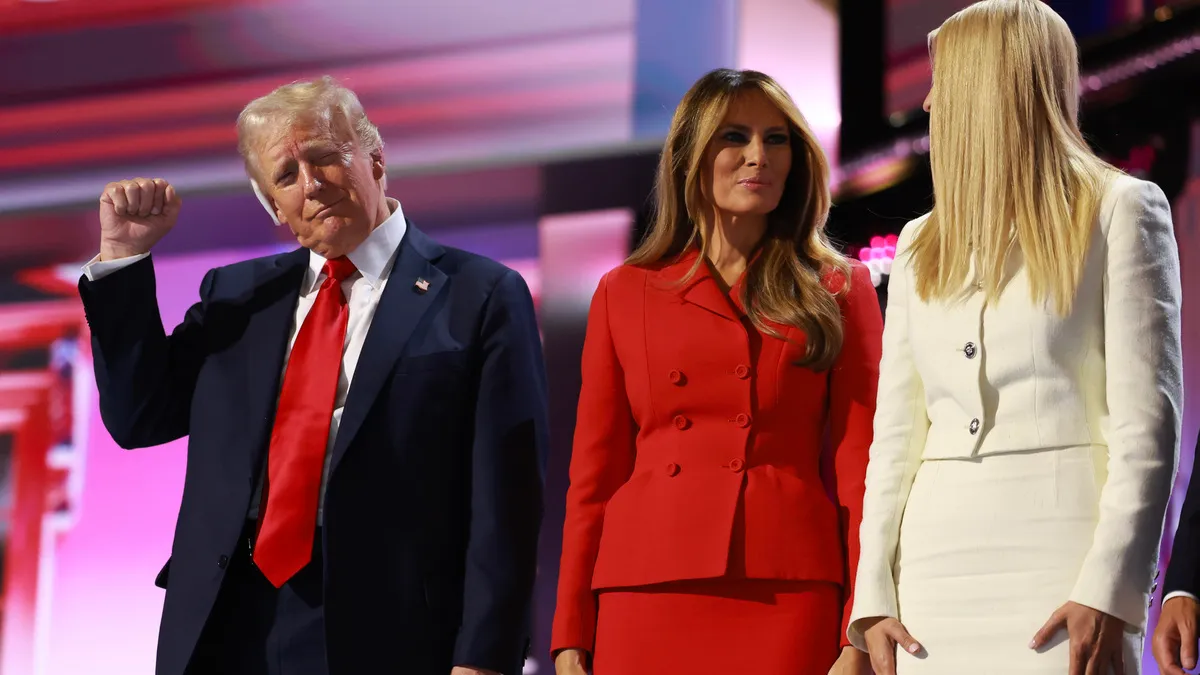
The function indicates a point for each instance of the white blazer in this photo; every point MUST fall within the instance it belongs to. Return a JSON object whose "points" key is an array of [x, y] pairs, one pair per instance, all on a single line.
{"points": [[1108, 374]]}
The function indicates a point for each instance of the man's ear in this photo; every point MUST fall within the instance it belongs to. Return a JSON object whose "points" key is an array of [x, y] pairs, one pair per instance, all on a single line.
{"points": [[378, 167], [267, 203]]}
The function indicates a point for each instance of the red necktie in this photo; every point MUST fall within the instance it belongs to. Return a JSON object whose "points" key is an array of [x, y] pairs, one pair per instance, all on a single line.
{"points": [[296, 456]]}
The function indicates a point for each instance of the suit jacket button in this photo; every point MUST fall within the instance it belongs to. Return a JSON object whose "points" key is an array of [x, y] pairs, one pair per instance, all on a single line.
{"points": [[742, 420], [223, 561], [672, 469], [969, 350], [676, 377], [741, 371], [737, 465], [681, 422], [974, 428]]}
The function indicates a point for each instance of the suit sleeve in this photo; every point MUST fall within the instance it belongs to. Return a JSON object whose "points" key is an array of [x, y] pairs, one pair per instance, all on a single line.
{"points": [[144, 376], [853, 384], [1145, 395], [900, 428], [1183, 574], [602, 459], [507, 464]]}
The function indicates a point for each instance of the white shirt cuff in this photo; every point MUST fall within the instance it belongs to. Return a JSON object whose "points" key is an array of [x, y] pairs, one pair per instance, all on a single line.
{"points": [[1175, 594], [97, 269]]}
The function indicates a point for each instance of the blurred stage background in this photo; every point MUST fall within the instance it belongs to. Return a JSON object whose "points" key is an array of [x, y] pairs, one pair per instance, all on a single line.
{"points": [[526, 130]]}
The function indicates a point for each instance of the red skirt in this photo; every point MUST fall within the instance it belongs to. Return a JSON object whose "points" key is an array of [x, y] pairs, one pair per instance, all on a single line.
{"points": [[719, 627]]}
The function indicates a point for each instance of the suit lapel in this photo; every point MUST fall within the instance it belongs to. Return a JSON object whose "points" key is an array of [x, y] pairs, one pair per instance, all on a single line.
{"points": [[276, 291], [400, 309], [701, 289]]}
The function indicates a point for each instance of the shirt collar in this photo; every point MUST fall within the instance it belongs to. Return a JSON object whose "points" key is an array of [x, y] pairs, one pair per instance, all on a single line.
{"points": [[373, 258]]}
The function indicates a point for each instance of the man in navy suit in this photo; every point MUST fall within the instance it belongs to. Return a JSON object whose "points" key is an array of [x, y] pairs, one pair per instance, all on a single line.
{"points": [[366, 419]]}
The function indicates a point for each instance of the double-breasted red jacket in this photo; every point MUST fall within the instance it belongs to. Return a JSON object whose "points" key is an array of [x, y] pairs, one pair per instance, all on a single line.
{"points": [[689, 420]]}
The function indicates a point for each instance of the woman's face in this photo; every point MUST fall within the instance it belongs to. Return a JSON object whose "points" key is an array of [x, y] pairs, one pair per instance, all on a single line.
{"points": [[749, 157]]}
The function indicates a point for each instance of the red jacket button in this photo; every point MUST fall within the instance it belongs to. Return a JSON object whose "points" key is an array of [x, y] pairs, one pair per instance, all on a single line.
{"points": [[742, 372], [681, 422], [672, 469], [676, 377], [742, 420], [737, 465]]}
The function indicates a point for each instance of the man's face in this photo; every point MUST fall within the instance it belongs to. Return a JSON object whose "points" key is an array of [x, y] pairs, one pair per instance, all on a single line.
{"points": [[321, 184]]}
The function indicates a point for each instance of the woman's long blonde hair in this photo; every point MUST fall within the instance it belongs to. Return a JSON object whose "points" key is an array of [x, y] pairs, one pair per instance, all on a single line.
{"points": [[784, 282], [1011, 169]]}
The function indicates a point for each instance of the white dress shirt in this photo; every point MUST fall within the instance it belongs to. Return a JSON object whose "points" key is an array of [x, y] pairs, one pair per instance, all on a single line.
{"points": [[1178, 594], [373, 259]]}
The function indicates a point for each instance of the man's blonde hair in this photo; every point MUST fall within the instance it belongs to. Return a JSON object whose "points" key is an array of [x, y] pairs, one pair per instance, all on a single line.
{"points": [[322, 100]]}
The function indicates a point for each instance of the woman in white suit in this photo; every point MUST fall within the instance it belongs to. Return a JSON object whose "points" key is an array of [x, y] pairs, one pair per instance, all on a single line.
{"points": [[1028, 420]]}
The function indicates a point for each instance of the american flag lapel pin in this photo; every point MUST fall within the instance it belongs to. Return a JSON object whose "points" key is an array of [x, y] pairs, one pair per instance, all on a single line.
{"points": [[421, 285]]}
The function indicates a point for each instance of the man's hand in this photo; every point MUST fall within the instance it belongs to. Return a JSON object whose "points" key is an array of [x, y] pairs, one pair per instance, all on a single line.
{"points": [[1174, 643], [467, 670], [1095, 639], [134, 216]]}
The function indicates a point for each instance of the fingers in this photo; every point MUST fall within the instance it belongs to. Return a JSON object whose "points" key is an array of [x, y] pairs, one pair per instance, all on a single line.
{"points": [[141, 197], [1055, 623], [1168, 664], [146, 190], [904, 640], [1078, 661], [882, 650], [133, 197], [1079, 653], [1187, 647], [1096, 662], [883, 660], [1166, 668], [1118, 661], [171, 197], [1167, 659], [114, 193], [159, 200]]}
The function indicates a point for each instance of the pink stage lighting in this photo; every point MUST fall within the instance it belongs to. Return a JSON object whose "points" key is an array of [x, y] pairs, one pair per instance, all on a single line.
{"points": [[878, 256]]}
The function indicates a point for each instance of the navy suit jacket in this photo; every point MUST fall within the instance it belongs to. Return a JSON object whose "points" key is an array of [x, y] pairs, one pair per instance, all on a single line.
{"points": [[434, 498], [1183, 571]]}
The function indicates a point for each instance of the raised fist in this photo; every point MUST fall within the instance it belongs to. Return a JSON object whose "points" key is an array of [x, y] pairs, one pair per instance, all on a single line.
{"points": [[134, 216]]}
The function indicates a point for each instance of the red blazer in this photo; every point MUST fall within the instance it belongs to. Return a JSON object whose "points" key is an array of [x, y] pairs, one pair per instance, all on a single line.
{"points": [[687, 410]]}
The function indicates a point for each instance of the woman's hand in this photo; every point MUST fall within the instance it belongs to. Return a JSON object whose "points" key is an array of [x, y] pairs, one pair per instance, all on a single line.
{"points": [[883, 634], [851, 662], [1095, 639], [570, 662]]}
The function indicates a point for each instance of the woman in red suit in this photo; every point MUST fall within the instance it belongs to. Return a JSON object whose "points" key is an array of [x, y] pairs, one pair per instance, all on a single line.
{"points": [[734, 344]]}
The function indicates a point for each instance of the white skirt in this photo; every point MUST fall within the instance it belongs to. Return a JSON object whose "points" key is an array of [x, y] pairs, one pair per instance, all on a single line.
{"points": [[989, 548]]}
